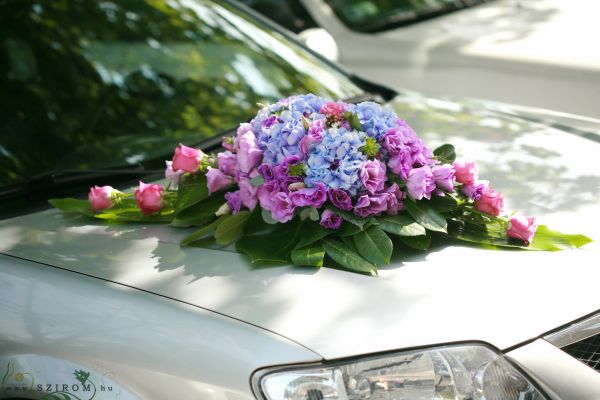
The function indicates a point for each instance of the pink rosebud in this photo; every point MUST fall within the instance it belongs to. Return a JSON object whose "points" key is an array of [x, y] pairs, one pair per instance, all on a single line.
{"points": [[186, 159], [522, 228], [100, 197], [171, 175], [149, 197], [466, 172], [490, 202], [217, 180]]}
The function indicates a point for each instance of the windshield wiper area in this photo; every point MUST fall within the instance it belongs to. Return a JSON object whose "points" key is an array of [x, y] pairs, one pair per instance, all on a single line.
{"points": [[53, 182]]}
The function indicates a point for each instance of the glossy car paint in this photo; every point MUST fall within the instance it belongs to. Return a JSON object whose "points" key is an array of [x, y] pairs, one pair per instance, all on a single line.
{"points": [[536, 53], [453, 293]]}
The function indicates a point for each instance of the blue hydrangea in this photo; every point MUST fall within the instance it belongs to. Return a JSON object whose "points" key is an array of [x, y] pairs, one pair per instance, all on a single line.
{"points": [[375, 120], [336, 160], [279, 127]]}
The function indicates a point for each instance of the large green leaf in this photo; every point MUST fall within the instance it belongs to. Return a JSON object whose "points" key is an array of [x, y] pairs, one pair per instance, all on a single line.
{"points": [[72, 205], [201, 233], [494, 234], [444, 203], [192, 190], [417, 242], [446, 154], [401, 225], [310, 256], [347, 258], [311, 232], [374, 245], [348, 229], [200, 213], [265, 243], [231, 227], [427, 216]]}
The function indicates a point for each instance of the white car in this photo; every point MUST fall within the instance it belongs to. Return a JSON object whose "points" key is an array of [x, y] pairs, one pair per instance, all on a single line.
{"points": [[540, 53], [93, 310]]}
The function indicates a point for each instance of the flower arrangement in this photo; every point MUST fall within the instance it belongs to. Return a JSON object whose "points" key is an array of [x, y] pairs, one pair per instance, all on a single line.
{"points": [[308, 179]]}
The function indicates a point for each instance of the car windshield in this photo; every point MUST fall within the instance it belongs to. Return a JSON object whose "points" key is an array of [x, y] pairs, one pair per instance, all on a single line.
{"points": [[87, 85], [378, 15]]}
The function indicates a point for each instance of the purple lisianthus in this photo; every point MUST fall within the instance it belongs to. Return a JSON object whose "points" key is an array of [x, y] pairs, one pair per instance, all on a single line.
{"points": [[247, 193], [267, 171], [330, 220], [444, 177], [171, 175], [249, 154], [367, 206], [282, 208], [401, 164], [234, 201], [372, 176], [420, 183], [340, 199], [474, 190], [310, 197], [395, 199], [227, 163], [217, 180], [265, 193]]}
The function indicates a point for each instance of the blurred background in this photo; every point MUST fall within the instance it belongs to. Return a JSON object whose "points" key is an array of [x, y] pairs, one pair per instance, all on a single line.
{"points": [[539, 53]]}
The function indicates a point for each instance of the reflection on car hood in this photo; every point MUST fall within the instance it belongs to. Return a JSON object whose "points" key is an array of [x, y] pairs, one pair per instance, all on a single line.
{"points": [[452, 293]]}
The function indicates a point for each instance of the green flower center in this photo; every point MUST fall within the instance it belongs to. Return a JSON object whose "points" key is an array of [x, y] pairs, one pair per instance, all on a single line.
{"points": [[371, 148], [296, 170]]}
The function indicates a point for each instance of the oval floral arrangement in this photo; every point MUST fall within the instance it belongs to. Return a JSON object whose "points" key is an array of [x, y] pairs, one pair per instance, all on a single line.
{"points": [[309, 178]]}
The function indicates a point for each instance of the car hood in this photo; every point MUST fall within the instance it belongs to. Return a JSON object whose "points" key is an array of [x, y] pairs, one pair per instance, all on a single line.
{"points": [[451, 293]]}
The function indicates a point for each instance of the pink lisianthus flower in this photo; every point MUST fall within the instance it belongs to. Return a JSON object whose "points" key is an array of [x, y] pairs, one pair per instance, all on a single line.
{"points": [[282, 208], [420, 183], [310, 197], [247, 193], [234, 201], [101, 197], [522, 228], [249, 155], [444, 177], [474, 190], [490, 202], [217, 180], [186, 159], [466, 172], [367, 206], [330, 220], [227, 162], [149, 197], [372, 176], [265, 193], [395, 199], [172, 175]]}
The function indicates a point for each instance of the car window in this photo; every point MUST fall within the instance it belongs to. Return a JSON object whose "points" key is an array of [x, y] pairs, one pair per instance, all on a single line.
{"points": [[290, 14], [378, 15], [97, 84]]}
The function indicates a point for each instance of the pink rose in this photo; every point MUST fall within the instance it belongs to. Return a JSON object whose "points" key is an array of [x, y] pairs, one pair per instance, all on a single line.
{"points": [[490, 202], [186, 159], [100, 197], [149, 197], [522, 228], [466, 172], [217, 180]]}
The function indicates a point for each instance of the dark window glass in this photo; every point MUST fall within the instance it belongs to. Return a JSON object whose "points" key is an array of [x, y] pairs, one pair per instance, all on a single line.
{"points": [[96, 84], [378, 15], [290, 14]]}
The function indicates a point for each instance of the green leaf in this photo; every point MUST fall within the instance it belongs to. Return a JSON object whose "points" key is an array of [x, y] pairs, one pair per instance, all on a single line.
{"points": [[444, 203], [348, 216], [73, 205], [310, 233], [374, 245], [355, 122], [268, 217], [265, 243], [347, 258], [417, 242], [257, 180], [314, 214], [546, 239], [200, 213], [401, 225], [192, 189], [347, 230], [202, 232], [446, 153], [231, 227], [310, 256], [427, 216]]}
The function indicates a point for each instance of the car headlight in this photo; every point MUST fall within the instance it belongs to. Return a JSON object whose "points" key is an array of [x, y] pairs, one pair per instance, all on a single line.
{"points": [[461, 372]]}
